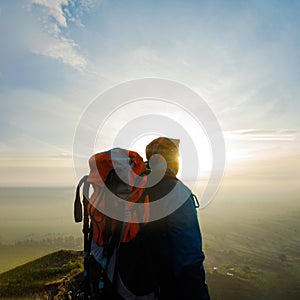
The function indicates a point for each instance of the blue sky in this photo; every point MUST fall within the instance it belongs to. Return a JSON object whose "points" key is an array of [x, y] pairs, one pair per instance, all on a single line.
{"points": [[56, 56]]}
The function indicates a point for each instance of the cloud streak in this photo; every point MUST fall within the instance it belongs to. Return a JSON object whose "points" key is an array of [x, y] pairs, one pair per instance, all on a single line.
{"points": [[263, 135]]}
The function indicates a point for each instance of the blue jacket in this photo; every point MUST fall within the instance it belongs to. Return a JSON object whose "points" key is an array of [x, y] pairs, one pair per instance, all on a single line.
{"points": [[176, 243]]}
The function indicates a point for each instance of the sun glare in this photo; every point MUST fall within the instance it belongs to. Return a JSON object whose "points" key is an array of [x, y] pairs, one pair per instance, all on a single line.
{"points": [[131, 127]]}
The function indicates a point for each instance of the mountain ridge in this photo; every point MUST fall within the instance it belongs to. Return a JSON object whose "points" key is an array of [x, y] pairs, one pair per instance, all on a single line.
{"points": [[53, 276]]}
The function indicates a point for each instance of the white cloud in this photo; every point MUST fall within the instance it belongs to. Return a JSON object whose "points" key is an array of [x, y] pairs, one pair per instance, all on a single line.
{"points": [[54, 17], [63, 49], [54, 10]]}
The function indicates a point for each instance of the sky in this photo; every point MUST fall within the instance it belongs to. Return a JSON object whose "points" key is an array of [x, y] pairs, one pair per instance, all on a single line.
{"points": [[56, 57]]}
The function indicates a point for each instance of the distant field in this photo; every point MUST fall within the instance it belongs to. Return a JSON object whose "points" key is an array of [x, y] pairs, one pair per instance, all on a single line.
{"points": [[35, 222], [253, 240], [250, 237]]}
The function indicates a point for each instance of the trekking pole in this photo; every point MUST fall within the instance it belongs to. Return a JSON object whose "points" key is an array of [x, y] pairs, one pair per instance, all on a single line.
{"points": [[86, 232], [87, 242]]}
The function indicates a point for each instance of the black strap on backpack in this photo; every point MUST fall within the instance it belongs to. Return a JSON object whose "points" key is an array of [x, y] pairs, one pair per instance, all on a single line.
{"points": [[196, 202]]}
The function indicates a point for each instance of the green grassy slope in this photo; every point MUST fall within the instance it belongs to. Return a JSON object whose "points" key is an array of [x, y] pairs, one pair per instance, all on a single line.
{"points": [[42, 278]]}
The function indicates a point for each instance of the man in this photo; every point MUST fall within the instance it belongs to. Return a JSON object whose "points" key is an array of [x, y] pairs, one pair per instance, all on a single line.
{"points": [[175, 240]]}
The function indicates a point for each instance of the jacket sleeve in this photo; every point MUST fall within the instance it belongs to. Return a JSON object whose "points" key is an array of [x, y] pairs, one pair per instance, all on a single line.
{"points": [[186, 250]]}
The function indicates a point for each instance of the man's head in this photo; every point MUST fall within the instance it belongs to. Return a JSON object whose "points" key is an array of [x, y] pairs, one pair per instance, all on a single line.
{"points": [[168, 148]]}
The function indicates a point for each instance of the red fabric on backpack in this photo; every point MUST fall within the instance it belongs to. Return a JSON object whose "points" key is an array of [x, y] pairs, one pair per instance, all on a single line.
{"points": [[100, 166]]}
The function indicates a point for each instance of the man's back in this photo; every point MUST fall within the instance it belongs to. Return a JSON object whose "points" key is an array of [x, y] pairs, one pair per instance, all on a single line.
{"points": [[176, 244]]}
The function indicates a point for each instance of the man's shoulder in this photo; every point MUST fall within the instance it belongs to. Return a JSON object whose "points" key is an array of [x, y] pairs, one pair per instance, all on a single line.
{"points": [[174, 181]]}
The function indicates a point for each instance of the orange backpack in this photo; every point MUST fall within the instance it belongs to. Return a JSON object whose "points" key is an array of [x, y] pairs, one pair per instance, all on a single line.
{"points": [[118, 179], [105, 180]]}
